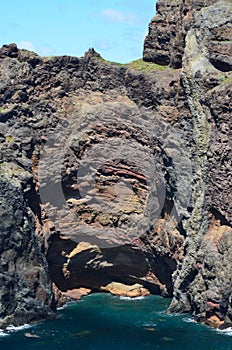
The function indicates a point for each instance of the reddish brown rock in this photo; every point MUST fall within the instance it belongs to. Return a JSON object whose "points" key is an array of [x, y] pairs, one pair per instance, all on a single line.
{"points": [[76, 265], [76, 294], [214, 322], [120, 289], [118, 174]]}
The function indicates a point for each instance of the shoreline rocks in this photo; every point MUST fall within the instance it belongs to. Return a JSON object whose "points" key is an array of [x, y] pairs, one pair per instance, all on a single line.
{"points": [[76, 294], [119, 289]]}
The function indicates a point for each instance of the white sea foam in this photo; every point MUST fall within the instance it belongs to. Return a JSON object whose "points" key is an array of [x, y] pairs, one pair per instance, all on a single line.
{"points": [[2, 333], [131, 299], [12, 328], [189, 320], [61, 307], [149, 324], [227, 331]]}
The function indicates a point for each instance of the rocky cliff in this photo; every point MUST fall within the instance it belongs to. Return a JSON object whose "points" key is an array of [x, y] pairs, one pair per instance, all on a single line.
{"points": [[200, 33], [120, 174]]}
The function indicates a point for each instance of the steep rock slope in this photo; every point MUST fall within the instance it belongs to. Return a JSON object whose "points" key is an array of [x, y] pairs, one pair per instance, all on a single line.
{"points": [[25, 293], [165, 41], [111, 174], [202, 284], [104, 157]]}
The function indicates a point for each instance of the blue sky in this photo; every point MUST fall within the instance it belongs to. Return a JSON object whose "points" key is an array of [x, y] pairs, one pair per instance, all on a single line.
{"points": [[116, 28]]}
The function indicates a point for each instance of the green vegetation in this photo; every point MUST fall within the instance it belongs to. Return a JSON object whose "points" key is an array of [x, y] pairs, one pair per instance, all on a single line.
{"points": [[225, 78], [137, 65], [10, 138], [3, 110], [13, 172], [145, 67], [116, 63], [27, 53]]}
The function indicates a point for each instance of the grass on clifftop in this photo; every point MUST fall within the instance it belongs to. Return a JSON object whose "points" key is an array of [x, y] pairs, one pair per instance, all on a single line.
{"points": [[138, 65], [145, 67]]}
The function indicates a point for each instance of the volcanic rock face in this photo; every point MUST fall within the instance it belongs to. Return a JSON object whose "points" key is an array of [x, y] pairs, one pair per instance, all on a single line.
{"points": [[102, 169], [165, 41], [111, 176], [203, 283], [25, 293]]}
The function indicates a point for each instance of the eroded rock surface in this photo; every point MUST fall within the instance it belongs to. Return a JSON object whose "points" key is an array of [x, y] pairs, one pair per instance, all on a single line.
{"points": [[114, 175], [101, 167], [25, 293], [132, 291], [165, 41], [203, 283]]}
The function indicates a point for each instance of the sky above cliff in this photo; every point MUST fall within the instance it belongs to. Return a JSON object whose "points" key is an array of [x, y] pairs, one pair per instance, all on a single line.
{"points": [[116, 28]]}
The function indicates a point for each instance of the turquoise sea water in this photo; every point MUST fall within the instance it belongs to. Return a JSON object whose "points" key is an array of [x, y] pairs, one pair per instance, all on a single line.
{"points": [[102, 321]]}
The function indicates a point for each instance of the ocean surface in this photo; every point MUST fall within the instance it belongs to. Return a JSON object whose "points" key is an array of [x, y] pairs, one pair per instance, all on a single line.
{"points": [[102, 321]]}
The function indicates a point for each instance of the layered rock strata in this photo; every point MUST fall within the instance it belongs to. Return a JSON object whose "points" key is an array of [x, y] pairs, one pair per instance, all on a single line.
{"points": [[112, 176], [101, 170]]}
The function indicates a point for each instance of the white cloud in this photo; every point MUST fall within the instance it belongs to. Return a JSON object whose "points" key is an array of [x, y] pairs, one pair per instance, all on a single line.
{"points": [[115, 16], [27, 45]]}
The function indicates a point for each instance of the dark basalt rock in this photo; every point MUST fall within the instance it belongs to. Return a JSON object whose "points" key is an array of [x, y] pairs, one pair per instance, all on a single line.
{"points": [[165, 41], [25, 294], [111, 174]]}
